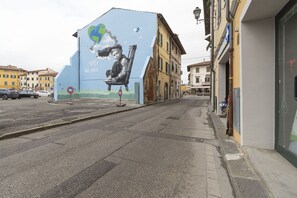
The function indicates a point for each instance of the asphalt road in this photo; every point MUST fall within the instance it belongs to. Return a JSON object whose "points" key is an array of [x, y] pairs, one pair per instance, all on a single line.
{"points": [[164, 150]]}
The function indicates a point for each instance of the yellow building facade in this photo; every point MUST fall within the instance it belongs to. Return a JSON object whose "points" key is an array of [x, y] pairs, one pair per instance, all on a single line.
{"points": [[163, 61], [236, 56], [46, 79], [167, 55], [226, 59], [12, 77], [9, 76]]}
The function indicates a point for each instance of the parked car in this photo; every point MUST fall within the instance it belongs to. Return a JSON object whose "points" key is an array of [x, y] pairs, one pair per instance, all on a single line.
{"points": [[6, 93], [44, 93], [28, 94]]}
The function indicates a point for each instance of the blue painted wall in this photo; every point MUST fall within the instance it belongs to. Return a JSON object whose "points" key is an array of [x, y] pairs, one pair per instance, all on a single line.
{"points": [[68, 77], [117, 26]]}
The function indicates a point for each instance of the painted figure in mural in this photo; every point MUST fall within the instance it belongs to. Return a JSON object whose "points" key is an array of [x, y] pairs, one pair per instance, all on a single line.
{"points": [[118, 72]]}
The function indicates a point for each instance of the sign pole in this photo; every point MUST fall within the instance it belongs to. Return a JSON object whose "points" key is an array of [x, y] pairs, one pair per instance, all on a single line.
{"points": [[70, 90], [120, 93]]}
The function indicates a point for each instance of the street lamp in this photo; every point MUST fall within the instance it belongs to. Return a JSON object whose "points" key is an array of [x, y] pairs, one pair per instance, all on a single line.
{"points": [[209, 28], [197, 13]]}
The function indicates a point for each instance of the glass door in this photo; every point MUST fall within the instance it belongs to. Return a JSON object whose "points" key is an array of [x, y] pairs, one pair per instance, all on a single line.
{"points": [[286, 79]]}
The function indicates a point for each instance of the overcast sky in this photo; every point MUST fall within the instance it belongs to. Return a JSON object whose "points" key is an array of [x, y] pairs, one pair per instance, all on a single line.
{"points": [[36, 34]]}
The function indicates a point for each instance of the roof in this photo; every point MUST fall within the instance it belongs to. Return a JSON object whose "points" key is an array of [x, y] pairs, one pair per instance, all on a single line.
{"points": [[48, 70], [75, 34], [11, 67], [173, 35], [54, 74], [204, 63]]}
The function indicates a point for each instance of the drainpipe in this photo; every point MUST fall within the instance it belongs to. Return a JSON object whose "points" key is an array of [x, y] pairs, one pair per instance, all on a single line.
{"points": [[212, 80], [79, 64], [230, 97]]}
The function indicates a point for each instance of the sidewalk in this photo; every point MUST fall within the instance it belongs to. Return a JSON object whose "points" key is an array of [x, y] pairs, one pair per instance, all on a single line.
{"points": [[255, 172]]}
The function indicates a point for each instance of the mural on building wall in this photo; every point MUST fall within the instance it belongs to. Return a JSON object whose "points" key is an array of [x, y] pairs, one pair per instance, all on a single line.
{"points": [[111, 53], [119, 73]]}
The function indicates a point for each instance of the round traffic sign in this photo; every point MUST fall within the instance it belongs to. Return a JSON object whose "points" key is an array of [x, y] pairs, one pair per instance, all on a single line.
{"points": [[120, 92], [70, 90]]}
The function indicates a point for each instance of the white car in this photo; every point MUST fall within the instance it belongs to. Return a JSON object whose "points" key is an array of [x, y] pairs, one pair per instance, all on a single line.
{"points": [[44, 93]]}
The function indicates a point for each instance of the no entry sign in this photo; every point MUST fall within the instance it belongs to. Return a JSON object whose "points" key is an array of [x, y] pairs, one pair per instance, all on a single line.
{"points": [[70, 90]]}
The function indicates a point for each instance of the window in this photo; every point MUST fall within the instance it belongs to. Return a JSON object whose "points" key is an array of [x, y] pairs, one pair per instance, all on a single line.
{"points": [[219, 12], [160, 63], [197, 79], [159, 85], [12, 76], [167, 68], [167, 46], [207, 78], [5, 83], [5, 76], [32, 78], [176, 67], [13, 83], [28, 78], [160, 39], [207, 69], [197, 69]]}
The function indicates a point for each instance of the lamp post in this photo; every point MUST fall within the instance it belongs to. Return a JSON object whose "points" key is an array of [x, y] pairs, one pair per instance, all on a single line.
{"points": [[197, 12]]}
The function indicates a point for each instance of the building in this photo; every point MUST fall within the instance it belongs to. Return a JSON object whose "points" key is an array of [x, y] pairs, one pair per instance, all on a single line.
{"points": [[255, 66], [42, 79], [23, 80], [9, 76], [46, 79], [199, 78], [12, 77], [175, 71], [185, 89], [142, 57], [32, 79]]}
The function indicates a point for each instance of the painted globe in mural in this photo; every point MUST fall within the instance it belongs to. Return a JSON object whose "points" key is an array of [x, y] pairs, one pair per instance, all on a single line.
{"points": [[96, 33]]}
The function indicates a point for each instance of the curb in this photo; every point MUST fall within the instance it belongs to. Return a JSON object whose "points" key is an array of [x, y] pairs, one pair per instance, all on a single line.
{"points": [[244, 179], [58, 124], [87, 117]]}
